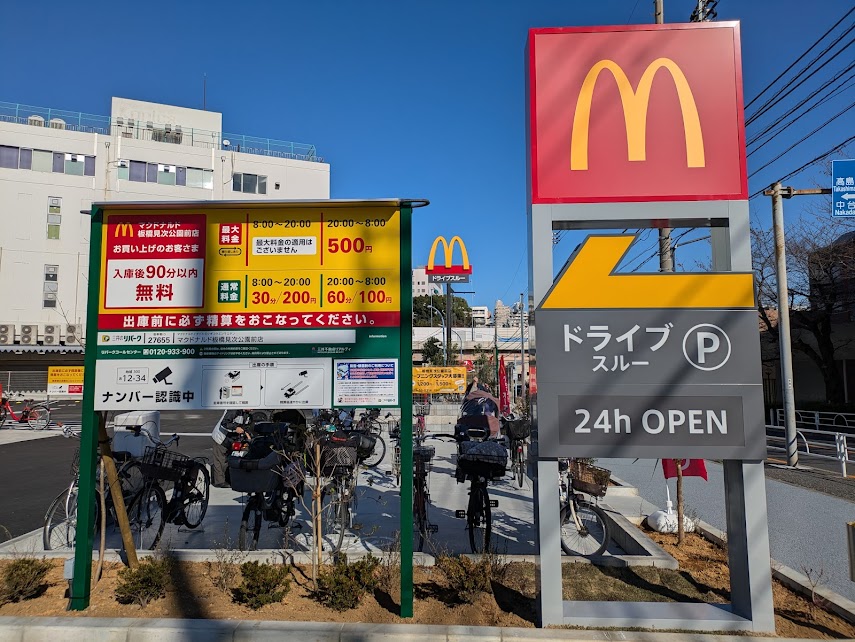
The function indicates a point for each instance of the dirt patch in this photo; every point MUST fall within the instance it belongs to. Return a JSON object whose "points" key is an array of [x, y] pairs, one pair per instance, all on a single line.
{"points": [[703, 576]]}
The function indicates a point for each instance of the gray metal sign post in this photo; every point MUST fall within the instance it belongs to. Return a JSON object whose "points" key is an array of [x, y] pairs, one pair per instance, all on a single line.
{"points": [[713, 412]]}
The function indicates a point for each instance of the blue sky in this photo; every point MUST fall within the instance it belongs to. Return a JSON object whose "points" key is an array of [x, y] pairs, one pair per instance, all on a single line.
{"points": [[404, 99]]}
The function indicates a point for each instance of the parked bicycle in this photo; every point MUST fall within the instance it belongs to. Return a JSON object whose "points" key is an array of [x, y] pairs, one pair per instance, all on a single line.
{"points": [[422, 456], [269, 468], [518, 431], [480, 459], [35, 415], [339, 459], [60, 525], [584, 527]]}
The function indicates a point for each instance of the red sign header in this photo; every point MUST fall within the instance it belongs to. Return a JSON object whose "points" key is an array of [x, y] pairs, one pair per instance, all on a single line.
{"points": [[636, 113]]}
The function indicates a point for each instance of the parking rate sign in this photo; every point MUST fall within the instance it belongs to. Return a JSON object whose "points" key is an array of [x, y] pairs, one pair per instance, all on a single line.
{"points": [[843, 187], [243, 306]]}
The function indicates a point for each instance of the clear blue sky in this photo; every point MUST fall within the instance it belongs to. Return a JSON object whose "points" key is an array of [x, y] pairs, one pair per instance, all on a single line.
{"points": [[403, 98]]}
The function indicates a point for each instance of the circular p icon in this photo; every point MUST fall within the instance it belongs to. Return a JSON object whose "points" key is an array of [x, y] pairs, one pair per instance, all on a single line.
{"points": [[706, 347]]}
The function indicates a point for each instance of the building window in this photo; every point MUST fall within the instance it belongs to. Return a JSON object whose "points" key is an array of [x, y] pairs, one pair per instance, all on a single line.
{"points": [[42, 161], [123, 169], [26, 160], [89, 166], [137, 172], [249, 183], [54, 217], [8, 157], [166, 174], [203, 178], [51, 286], [58, 162], [74, 164]]}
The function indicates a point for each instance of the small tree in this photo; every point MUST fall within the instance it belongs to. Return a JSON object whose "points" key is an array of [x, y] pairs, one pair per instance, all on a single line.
{"points": [[485, 367], [433, 353]]}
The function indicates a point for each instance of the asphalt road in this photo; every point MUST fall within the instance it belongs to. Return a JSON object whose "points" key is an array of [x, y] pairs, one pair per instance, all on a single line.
{"points": [[34, 472]]}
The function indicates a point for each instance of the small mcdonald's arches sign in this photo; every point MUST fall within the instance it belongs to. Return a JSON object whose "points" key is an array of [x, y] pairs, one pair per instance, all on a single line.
{"points": [[447, 271]]}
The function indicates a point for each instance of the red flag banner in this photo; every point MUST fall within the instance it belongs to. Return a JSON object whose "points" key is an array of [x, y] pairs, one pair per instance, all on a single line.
{"points": [[691, 468], [504, 400]]}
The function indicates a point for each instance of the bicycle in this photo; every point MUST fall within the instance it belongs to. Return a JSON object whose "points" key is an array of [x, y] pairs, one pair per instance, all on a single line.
{"points": [[518, 431], [60, 524], [420, 411], [36, 415], [584, 527], [422, 456], [267, 469], [479, 461]]}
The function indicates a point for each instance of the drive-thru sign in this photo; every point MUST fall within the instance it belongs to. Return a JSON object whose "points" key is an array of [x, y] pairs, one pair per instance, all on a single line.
{"points": [[647, 365]]}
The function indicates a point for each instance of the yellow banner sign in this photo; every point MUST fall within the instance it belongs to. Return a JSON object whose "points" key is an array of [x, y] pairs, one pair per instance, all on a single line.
{"points": [[65, 374], [439, 380]]}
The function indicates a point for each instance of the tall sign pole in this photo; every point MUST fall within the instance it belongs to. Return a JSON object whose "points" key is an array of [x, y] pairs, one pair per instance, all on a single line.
{"points": [[447, 272], [449, 323]]}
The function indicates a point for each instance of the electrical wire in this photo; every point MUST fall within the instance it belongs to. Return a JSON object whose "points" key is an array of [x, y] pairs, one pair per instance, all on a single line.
{"points": [[799, 59], [772, 102], [778, 126], [803, 139], [819, 158]]}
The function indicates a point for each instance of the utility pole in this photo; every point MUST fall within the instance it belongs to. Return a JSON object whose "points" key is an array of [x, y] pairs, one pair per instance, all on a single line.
{"points": [[778, 193], [449, 293], [666, 258], [522, 346], [496, 344]]}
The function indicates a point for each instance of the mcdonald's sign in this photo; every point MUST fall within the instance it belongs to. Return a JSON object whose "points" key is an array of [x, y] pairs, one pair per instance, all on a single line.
{"points": [[124, 229], [447, 272], [636, 113]]}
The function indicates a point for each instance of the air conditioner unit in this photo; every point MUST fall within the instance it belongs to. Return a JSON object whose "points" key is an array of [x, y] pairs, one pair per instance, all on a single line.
{"points": [[51, 335], [7, 334], [29, 334], [73, 333]]}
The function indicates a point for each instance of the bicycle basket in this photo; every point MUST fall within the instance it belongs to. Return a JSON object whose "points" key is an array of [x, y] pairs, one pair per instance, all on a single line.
{"points": [[482, 458], [254, 475], [163, 465], [424, 454], [518, 429], [421, 409], [334, 456], [588, 479]]}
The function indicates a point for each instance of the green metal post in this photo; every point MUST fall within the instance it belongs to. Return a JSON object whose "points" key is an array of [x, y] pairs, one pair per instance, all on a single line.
{"points": [[80, 585], [405, 396]]}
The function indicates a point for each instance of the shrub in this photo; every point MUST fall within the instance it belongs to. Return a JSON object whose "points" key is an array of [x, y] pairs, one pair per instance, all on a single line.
{"points": [[343, 586], [145, 583], [262, 584], [23, 579], [466, 577]]}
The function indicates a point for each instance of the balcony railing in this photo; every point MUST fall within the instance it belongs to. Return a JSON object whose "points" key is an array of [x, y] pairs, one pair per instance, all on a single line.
{"points": [[158, 132]]}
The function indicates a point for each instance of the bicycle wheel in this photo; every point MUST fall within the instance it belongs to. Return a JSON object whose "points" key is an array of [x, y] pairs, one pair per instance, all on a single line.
{"points": [[420, 511], [146, 516], [131, 478], [519, 462], [589, 540], [479, 519], [60, 528], [250, 524], [4, 413], [38, 417], [334, 514], [195, 495], [377, 454]]}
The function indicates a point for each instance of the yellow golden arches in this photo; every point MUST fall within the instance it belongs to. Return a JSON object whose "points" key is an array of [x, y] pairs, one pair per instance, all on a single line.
{"points": [[635, 105], [448, 248], [124, 229]]}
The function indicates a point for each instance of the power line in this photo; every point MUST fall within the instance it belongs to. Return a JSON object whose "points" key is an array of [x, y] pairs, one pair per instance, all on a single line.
{"points": [[777, 127], [803, 139], [772, 102], [821, 157], [799, 59]]}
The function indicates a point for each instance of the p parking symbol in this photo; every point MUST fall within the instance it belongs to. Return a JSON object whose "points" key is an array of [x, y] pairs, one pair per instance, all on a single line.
{"points": [[707, 347]]}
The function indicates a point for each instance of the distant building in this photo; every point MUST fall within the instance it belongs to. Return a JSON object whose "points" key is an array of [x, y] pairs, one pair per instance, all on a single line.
{"points": [[421, 287], [502, 314], [53, 164], [480, 315]]}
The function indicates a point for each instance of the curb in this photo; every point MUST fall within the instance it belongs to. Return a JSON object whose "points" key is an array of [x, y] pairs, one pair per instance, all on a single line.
{"points": [[83, 629], [798, 582]]}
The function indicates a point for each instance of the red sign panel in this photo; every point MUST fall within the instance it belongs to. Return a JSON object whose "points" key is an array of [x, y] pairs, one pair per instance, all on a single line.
{"points": [[636, 113]]}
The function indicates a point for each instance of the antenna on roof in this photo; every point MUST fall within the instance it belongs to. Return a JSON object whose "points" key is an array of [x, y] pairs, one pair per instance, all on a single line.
{"points": [[204, 92]]}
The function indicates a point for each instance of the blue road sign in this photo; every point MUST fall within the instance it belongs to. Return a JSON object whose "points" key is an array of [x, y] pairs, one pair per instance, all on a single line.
{"points": [[843, 187]]}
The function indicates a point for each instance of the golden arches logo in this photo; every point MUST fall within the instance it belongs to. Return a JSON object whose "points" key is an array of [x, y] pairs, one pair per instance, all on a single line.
{"points": [[124, 229], [448, 248], [635, 104]]}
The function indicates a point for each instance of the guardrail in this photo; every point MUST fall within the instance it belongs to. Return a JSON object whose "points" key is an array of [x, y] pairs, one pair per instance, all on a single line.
{"points": [[821, 444], [817, 420]]}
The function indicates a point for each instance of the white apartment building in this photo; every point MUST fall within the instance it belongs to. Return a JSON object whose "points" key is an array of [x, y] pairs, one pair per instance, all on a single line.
{"points": [[421, 287], [481, 315], [54, 164]]}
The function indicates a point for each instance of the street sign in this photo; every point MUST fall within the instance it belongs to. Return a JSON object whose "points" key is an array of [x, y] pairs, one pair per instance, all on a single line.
{"points": [[64, 380], [246, 306], [843, 187], [439, 380], [636, 113], [655, 365]]}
